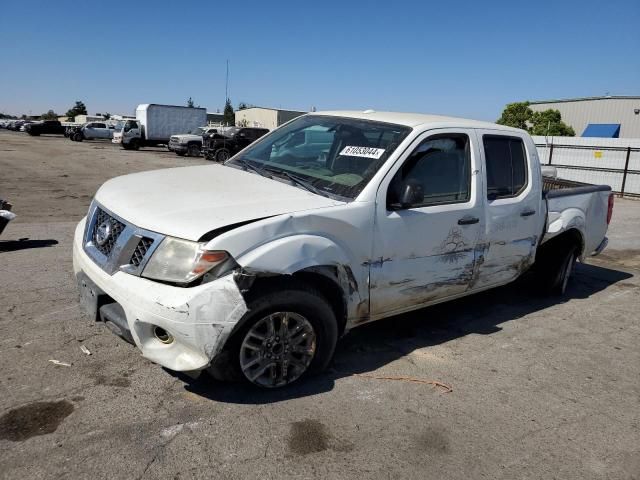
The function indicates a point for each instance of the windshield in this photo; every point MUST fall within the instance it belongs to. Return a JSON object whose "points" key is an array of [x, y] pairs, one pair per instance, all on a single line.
{"points": [[130, 124], [334, 155], [197, 131], [119, 125]]}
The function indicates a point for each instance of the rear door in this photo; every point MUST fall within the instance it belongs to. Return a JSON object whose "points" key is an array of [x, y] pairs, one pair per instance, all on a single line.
{"points": [[513, 203], [425, 252]]}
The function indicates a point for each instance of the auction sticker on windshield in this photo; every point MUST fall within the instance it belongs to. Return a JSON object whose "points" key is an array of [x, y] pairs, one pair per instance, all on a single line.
{"points": [[366, 152]]}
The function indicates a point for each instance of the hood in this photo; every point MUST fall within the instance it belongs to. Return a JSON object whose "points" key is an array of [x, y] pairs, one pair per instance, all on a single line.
{"points": [[187, 137], [188, 202]]}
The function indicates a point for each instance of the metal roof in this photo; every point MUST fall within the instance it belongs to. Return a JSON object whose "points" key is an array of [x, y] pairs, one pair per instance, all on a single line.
{"points": [[582, 99]]}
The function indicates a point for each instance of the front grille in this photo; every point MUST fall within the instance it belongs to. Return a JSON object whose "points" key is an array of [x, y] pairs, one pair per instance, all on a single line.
{"points": [[110, 229], [140, 251]]}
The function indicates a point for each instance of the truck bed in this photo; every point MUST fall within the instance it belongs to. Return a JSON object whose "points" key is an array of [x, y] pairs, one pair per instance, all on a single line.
{"points": [[576, 205]]}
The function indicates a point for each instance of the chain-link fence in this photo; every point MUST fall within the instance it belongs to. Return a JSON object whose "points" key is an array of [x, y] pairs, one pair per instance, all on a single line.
{"points": [[608, 161]]}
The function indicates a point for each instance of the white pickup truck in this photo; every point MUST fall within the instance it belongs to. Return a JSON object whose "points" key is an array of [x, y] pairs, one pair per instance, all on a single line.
{"points": [[254, 268]]}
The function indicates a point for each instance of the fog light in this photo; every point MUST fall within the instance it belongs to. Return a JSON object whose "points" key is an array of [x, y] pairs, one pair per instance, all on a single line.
{"points": [[162, 335]]}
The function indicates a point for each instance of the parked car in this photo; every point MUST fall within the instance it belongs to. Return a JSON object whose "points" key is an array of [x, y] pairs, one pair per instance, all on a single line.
{"points": [[15, 125], [46, 127], [93, 131], [255, 268], [190, 143], [222, 146]]}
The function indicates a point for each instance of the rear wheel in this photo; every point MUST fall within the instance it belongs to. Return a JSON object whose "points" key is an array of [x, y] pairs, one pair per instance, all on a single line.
{"points": [[287, 333], [555, 268]]}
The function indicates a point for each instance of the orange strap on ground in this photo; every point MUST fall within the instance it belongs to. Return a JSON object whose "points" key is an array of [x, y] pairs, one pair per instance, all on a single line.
{"points": [[447, 388]]}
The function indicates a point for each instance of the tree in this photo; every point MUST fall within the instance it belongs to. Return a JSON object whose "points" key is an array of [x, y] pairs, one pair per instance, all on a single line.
{"points": [[549, 122], [78, 109], [228, 116], [190, 103], [516, 115], [242, 106], [50, 115], [106, 116]]}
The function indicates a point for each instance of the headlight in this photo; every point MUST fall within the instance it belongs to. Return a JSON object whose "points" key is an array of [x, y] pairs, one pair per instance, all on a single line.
{"points": [[181, 261]]}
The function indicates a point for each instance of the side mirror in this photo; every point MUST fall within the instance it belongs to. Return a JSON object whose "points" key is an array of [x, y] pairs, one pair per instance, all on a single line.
{"points": [[411, 194]]}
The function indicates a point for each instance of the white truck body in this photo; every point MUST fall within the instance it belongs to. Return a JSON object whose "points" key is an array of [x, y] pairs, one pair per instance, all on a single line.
{"points": [[383, 258], [155, 124]]}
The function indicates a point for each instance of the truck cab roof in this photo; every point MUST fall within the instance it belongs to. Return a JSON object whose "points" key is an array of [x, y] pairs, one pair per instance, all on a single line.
{"points": [[415, 119]]}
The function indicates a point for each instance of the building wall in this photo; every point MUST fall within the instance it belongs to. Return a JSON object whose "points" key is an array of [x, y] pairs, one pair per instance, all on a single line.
{"points": [[87, 118], [580, 113], [265, 117], [257, 117]]}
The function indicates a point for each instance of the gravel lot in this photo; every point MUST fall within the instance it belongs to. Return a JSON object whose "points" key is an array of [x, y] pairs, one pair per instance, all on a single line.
{"points": [[542, 388]]}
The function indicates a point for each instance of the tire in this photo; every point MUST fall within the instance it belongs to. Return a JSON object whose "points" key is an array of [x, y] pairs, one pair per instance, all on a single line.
{"points": [[180, 154], [193, 150], [555, 268], [222, 155], [272, 362], [126, 146], [134, 144], [77, 137]]}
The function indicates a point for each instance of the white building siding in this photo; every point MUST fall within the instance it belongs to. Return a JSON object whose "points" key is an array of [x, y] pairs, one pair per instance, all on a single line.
{"points": [[579, 113], [265, 117]]}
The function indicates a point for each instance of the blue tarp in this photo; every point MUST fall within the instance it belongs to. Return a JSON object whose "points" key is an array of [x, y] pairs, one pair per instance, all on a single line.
{"points": [[602, 130]]}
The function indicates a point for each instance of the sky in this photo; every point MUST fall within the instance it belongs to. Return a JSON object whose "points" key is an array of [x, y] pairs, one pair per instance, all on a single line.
{"points": [[462, 58]]}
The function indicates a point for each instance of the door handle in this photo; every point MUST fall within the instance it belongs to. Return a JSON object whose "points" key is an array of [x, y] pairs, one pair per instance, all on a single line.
{"points": [[468, 220], [527, 213]]}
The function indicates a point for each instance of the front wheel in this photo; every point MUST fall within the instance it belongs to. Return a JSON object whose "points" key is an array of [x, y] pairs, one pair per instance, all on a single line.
{"points": [[287, 333], [222, 155], [194, 150], [77, 137]]}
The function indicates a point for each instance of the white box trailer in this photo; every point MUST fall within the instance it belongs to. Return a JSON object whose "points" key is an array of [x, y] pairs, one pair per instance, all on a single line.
{"points": [[154, 124]]}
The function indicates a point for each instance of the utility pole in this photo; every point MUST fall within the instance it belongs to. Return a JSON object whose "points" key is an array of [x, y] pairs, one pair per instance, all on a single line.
{"points": [[226, 88]]}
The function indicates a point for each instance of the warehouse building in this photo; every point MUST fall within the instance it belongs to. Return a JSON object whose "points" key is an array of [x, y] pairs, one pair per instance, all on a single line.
{"points": [[610, 116], [262, 117]]}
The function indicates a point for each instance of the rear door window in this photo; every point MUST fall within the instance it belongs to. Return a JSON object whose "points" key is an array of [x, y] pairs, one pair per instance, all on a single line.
{"points": [[506, 166]]}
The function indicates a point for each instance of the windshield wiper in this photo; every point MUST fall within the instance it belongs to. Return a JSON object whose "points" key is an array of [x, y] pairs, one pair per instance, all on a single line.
{"points": [[250, 166], [303, 183]]}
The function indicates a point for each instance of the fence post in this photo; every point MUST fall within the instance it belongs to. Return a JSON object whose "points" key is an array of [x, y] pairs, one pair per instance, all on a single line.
{"points": [[626, 169], [550, 154]]}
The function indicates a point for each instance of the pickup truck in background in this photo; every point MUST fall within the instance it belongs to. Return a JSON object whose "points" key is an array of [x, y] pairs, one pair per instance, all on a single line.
{"points": [[254, 268], [222, 146], [190, 143], [46, 127]]}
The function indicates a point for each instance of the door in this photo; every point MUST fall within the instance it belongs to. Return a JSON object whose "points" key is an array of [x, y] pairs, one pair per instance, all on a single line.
{"points": [[100, 130], [513, 217], [424, 250]]}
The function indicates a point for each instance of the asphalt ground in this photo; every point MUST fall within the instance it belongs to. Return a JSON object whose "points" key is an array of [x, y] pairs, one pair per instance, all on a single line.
{"points": [[541, 387]]}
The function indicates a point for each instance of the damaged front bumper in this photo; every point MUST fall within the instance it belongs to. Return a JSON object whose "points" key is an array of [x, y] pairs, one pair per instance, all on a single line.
{"points": [[199, 319]]}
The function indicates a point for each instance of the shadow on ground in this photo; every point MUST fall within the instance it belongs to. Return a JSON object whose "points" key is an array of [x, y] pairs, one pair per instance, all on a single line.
{"points": [[372, 346], [23, 244]]}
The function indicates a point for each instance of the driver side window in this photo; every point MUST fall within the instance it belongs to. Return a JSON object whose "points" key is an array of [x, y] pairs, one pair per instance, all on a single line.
{"points": [[440, 167]]}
